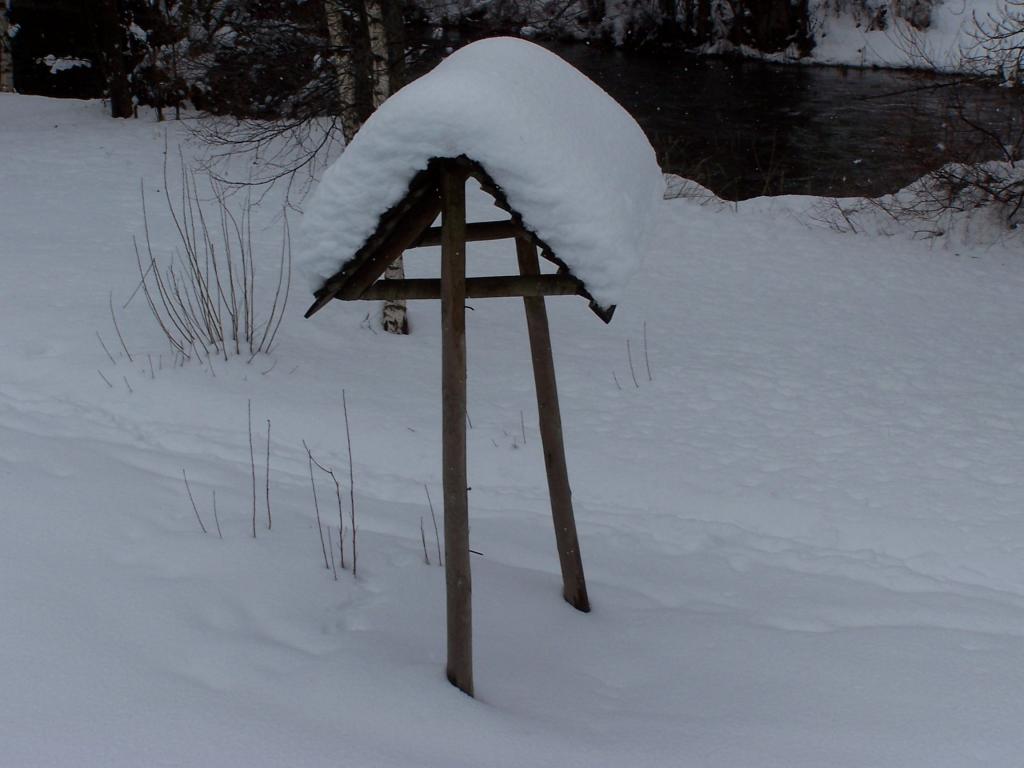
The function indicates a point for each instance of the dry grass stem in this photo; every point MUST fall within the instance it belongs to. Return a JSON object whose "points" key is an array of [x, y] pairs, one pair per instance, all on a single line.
{"points": [[316, 504], [647, 358], [334, 568], [118, 329], [216, 518], [269, 520], [110, 356], [433, 517], [629, 357], [190, 498], [351, 481], [341, 514], [252, 465]]}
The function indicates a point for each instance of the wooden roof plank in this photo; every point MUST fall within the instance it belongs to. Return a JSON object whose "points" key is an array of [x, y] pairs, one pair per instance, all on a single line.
{"points": [[397, 229], [407, 225]]}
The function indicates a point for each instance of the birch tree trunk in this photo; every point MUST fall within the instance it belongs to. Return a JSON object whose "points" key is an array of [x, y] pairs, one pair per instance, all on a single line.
{"points": [[366, 36], [381, 36], [346, 29], [6, 61]]}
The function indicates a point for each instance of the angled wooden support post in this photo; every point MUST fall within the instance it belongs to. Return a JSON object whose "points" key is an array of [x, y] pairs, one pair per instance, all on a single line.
{"points": [[574, 587], [453, 398]]}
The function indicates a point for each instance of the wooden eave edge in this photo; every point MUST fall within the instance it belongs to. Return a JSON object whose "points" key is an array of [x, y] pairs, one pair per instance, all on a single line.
{"points": [[422, 186]]}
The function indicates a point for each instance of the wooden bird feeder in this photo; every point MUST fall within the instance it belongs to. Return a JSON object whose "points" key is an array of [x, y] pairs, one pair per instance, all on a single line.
{"points": [[580, 185], [441, 189]]}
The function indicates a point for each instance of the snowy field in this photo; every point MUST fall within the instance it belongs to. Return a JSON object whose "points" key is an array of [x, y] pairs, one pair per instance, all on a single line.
{"points": [[803, 534]]}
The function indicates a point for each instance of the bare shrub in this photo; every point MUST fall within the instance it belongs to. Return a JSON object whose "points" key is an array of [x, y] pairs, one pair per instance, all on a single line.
{"points": [[205, 298], [996, 43]]}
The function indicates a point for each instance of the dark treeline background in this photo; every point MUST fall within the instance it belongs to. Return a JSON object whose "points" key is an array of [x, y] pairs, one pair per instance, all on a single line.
{"points": [[226, 57], [279, 58]]}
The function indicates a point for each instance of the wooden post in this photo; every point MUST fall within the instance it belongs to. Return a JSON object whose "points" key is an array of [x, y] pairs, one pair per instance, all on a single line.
{"points": [[574, 587], [453, 454]]}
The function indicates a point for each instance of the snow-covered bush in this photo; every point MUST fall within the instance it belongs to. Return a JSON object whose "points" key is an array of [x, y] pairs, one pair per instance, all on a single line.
{"points": [[877, 14], [995, 45], [971, 182], [968, 204]]}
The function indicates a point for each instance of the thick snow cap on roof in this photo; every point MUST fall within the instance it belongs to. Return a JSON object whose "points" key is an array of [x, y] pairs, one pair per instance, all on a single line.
{"points": [[570, 160]]}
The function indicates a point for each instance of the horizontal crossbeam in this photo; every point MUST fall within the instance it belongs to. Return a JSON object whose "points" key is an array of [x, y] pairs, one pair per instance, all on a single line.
{"points": [[475, 231], [476, 287]]}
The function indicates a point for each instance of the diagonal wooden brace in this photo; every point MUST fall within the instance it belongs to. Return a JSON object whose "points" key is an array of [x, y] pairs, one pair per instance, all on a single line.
{"points": [[574, 587]]}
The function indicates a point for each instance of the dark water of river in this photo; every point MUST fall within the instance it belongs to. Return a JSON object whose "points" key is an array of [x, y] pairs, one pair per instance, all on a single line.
{"points": [[745, 128]]}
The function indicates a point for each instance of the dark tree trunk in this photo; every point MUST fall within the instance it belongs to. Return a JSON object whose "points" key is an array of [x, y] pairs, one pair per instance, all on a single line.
{"points": [[771, 25], [6, 63], [111, 38], [917, 12], [394, 24], [671, 13], [696, 22]]}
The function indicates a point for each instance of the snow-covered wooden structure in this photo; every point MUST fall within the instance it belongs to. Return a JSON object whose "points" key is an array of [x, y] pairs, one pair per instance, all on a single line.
{"points": [[580, 184]]}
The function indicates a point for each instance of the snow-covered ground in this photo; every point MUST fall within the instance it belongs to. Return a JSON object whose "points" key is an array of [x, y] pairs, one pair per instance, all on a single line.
{"points": [[844, 34], [874, 33], [803, 534]]}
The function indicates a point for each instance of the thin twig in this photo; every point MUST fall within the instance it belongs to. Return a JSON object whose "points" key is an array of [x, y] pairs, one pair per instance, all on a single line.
{"points": [[194, 507], [334, 568], [316, 504], [522, 425], [252, 465], [647, 359], [437, 536], [104, 378], [351, 482], [629, 356], [130, 390], [341, 544], [423, 538], [137, 287], [118, 329], [616, 380], [105, 348], [152, 373], [216, 519], [269, 520], [341, 514]]}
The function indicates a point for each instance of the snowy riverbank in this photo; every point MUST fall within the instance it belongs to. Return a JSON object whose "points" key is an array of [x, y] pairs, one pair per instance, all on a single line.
{"points": [[850, 37], [803, 534], [890, 34]]}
